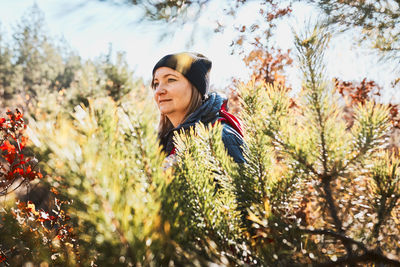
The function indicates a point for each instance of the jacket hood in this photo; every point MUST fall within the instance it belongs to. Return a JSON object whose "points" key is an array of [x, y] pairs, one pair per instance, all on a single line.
{"points": [[206, 113]]}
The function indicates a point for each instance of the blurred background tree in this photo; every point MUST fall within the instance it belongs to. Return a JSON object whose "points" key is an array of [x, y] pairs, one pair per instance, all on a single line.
{"points": [[377, 19], [374, 23]]}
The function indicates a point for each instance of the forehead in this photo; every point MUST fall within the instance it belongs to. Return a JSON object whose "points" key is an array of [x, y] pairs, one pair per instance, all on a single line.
{"points": [[165, 71]]}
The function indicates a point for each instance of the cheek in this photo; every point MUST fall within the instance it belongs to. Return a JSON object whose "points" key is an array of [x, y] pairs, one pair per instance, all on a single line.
{"points": [[188, 96]]}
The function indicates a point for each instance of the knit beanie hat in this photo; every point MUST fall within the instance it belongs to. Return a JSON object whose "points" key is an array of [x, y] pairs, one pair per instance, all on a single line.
{"points": [[195, 67]]}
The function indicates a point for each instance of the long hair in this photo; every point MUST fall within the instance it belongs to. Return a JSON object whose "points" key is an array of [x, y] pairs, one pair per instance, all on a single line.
{"points": [[166, 125]]}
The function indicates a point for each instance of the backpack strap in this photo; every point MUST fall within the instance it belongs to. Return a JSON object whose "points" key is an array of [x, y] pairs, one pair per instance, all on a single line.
{"points": [[173, 151], [230, 119]]}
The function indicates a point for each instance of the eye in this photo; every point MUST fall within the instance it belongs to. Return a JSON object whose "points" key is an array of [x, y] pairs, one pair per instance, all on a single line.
{"points": [[155, 86], [171, 80]]}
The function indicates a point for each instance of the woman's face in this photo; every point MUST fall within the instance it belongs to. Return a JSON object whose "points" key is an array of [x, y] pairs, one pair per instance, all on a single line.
{"points": [[172, 93]]}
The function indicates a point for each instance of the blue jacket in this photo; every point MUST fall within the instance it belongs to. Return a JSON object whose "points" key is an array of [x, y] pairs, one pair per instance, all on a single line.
{"points": [[210, 112]]}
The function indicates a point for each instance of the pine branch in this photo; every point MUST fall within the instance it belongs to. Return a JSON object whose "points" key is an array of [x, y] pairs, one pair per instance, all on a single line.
{"points": [[331, 204], [334, 213], [316, 104], [294, 155], [257, 161], [322, 136], [311, 50], [214, 155], [201, 209], [361, 152], [387, 181], [382, 213]]}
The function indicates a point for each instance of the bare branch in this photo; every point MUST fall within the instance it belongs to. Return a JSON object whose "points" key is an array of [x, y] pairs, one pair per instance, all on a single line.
{"points": [[368, 256], [340, 236]]}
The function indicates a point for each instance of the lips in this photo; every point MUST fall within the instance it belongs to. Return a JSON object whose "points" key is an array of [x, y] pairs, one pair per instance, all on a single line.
{"points": [[163, 101]]}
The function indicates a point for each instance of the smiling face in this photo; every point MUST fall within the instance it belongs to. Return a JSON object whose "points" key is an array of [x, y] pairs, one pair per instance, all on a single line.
{"points": [[172, 93]]}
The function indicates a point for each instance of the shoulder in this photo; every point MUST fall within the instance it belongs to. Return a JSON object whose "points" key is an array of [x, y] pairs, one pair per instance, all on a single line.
{"points": [[230, 135], [233, 142]]}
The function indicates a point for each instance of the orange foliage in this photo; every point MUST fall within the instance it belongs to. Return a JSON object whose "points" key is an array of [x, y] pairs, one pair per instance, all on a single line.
{"points": [[362, 92], [15, 166], [266, 63]]}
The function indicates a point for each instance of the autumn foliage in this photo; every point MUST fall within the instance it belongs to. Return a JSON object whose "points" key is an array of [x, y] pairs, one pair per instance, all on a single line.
{"points": [[355, 93], [15, 168]]}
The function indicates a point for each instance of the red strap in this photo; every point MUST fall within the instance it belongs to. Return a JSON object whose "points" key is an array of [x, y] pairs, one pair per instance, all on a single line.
{"points": [[230, 119]]}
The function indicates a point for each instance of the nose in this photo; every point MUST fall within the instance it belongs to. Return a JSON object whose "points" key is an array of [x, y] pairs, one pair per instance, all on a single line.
{"points": [[159, 90]]}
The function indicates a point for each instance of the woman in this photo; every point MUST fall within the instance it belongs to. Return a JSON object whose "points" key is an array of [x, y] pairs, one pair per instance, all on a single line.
{"points": [[180, 83]]}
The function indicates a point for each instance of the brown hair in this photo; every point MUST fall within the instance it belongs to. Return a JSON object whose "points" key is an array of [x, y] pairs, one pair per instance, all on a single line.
{"points": [[165, 124]]}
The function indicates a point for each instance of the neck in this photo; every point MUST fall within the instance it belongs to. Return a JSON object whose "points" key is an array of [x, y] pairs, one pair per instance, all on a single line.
{"points": [[176, 119]]}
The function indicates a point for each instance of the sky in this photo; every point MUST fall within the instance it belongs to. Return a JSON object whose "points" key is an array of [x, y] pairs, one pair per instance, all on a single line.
{"points": [[91, 28]]}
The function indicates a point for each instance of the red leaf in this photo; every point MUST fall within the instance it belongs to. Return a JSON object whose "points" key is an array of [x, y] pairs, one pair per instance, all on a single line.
{"points": [[10, 158], [7, 146], [22, 143], [2, 258], [19, 170]]}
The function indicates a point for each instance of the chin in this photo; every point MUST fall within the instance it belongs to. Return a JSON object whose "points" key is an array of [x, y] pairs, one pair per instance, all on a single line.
{"points": [[165, 111]]}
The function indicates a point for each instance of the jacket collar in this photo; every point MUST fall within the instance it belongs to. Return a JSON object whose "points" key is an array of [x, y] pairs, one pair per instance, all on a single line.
{"points": [[206, 113]]}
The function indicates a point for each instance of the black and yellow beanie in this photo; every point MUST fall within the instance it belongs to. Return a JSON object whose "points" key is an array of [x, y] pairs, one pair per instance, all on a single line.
{"points": [[194, 66]]}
